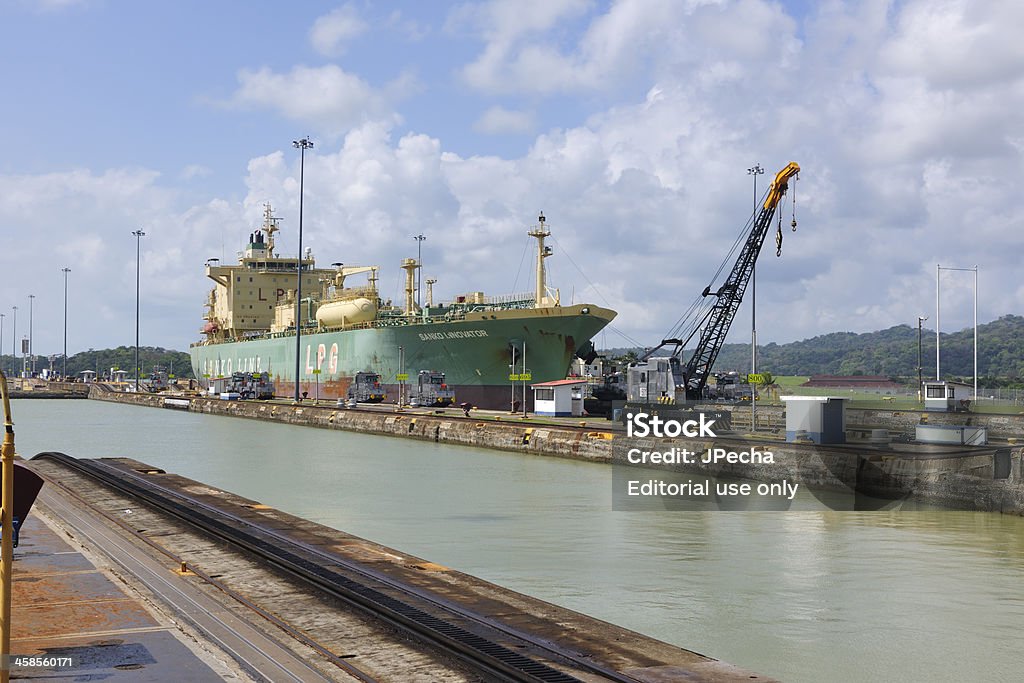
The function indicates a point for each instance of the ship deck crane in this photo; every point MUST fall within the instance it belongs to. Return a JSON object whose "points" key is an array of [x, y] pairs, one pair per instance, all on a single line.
{"points": [[711, 322]]}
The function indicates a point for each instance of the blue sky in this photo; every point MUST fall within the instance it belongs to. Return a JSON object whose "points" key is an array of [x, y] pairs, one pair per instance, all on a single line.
{"points": [[630, 124]]}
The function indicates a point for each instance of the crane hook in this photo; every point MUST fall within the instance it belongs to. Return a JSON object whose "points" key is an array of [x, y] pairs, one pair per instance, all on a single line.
{"points": [[793, 224]]}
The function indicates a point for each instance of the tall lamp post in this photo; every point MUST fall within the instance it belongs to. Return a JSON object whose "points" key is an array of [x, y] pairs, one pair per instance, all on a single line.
{"points": [[938, 324], [302, 146], [2, 316], [754, 171], [31, 357], [511, 377], [14, 341], [138, 269], [419, 263], [920, 379], [64, 371]]}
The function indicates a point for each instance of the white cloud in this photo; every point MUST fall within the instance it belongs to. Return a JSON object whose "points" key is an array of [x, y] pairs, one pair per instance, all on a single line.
{"points": [[332, 32], [498, 120], [507, 20], [958, 44], [29, 197], [526, 54], [195, 171], [507, 27], [326, 97], [413, 30]]}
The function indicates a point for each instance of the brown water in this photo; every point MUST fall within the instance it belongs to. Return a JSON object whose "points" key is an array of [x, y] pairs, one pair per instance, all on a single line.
{"points": [[804, 596]]}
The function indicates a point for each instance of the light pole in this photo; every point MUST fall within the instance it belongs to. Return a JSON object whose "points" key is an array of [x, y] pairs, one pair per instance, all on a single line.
{"points": [[975, 332], [525, 375], [754, 171], [920, 380], [511, 378], [419, 263], [938, 324], [302, 146], [31, 357], [138, 269], [401, 375], [64, 372], [14, 341]]}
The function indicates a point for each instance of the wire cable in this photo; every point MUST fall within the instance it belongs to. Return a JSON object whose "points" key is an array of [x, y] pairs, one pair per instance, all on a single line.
{"points": [[580, 271], [522, 259]]}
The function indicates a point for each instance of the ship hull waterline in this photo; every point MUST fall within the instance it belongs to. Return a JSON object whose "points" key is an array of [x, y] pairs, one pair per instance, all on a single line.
{"points": [[473, 353]]}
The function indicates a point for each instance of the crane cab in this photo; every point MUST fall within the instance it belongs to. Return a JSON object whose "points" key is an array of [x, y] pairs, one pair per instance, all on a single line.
{"points": [[653, 380]]}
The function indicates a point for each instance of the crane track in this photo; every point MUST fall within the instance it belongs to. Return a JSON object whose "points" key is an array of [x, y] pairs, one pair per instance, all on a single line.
{"points": [[294, 557]]}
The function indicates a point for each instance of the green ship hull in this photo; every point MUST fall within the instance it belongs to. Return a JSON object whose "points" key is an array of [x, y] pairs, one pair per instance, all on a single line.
{"points": [[474, 353]]}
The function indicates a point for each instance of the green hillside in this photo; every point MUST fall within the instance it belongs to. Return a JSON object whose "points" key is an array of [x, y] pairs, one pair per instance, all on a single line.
{"points": [[891, 352], [102, 360]]}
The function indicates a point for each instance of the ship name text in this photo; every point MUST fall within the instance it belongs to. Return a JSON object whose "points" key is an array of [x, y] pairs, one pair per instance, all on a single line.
{"points": [[222, 367], [457, 334]]}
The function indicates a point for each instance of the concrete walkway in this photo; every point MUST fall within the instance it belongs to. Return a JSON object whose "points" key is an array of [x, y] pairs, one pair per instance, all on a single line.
{"points": [[64, 606]]}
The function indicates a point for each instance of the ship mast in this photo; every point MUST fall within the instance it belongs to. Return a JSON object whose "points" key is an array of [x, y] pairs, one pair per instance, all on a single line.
{"points": [[410, 265], [270, 227], [430, 291], [541, 298]]}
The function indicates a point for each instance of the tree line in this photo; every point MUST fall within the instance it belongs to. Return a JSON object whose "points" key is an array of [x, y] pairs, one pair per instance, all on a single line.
{"points": [[892, 352], [101, 361]]}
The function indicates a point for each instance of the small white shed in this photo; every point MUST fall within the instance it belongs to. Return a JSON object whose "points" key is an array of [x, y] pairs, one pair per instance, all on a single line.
{"points": [[561, 398], [942, 396]]}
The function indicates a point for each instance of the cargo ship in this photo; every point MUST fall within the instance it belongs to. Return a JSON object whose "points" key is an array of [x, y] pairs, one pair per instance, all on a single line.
{"points": [[489, 348]]}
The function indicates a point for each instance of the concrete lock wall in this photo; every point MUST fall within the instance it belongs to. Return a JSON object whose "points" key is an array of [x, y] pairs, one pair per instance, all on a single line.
{"points": [[576, 444], [960, 482], [898, 421], [999, 426]]}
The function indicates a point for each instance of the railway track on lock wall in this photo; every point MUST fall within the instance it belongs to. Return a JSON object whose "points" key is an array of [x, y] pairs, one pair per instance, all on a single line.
{"points": [[482, 643]]}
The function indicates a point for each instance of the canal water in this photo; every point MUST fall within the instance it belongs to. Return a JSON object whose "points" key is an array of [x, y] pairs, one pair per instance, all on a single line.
{"points": [[803, 596]]}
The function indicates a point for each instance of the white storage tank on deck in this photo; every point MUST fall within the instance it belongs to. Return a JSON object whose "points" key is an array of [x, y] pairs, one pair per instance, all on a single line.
{"points": [[346, 312]]}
